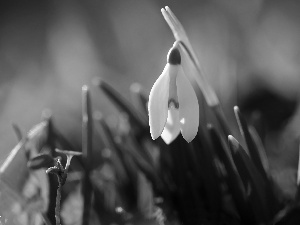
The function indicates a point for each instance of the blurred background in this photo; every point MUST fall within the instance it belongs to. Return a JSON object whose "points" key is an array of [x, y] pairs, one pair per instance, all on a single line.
{"points": [[249, 51]]}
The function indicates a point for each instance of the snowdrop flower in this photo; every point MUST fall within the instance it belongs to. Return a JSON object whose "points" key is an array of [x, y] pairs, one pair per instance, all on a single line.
{"points": [[173, 104], [190, 63]]}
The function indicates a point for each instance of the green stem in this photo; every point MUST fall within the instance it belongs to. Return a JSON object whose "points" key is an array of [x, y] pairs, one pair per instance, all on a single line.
{"points": [[58, 198], [87, 154]]}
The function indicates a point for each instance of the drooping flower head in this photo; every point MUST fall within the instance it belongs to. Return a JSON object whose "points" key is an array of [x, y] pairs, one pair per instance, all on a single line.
{"points": [[191, 65], [173, 105]]}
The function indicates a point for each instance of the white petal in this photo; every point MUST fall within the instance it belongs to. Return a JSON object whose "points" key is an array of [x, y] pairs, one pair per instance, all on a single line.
{"points": [[172, 127], [158, 103], [188, 107]]}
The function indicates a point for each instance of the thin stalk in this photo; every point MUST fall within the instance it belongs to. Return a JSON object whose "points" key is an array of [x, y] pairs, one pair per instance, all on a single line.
{"points": [[252, 148], [298, 178], [57, 207], [220, 116], [136, 117], [87, 154], [61, 174]]}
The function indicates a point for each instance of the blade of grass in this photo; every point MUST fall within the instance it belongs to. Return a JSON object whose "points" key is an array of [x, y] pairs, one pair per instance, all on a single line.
{"points": [[135, 140], [108, 139], [260, 147], [129, 191], [259, 159], [87, 154], [138, 119], [251, 146], [298, 177], [146, 167], [219, 113], [145, 198], [196, 77], [233, 180], [37, 137], [124, 164], [252, 179], [103, 130]]}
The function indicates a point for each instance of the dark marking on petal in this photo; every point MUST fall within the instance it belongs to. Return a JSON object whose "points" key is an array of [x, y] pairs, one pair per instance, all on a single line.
{"points": [[174, 57], [174, 103]]}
